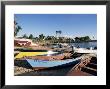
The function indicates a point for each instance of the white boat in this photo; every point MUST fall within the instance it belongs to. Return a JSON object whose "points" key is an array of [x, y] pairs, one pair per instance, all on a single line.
{"points": [[84, 50], [42, 64]]}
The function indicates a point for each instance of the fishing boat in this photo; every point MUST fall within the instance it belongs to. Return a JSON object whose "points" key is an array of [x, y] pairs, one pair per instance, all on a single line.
{"points": [[42, 64], [84, 50], [29, 53]]}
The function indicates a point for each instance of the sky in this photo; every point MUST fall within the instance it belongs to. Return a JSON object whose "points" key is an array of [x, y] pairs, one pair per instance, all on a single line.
{"points": [[71, 25]]}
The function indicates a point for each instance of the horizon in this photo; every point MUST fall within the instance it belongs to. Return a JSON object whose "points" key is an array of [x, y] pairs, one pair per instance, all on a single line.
{"points": [[71, 25]]}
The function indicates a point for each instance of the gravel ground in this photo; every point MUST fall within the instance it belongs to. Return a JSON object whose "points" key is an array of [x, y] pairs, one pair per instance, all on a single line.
{"points": [[20, 70]]}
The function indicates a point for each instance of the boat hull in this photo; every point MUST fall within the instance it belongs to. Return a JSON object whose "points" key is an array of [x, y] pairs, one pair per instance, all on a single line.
{"points": [[83, 50], [28, 54], [42, 64]]}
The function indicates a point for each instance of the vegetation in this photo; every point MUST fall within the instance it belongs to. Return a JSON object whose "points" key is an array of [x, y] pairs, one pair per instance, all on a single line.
{"points": [[31, 36], [82, 39], [17, 28], [58, 33], [25, 36], [41, 37], [53, 39], [50, 39]]}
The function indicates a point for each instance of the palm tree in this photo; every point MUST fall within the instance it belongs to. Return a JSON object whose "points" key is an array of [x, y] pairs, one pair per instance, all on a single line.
{"points": [[58, 33], [41, 36], [17, 28]]}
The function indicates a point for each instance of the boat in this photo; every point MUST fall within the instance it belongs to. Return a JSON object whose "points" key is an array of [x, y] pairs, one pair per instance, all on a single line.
{"points": [[43, 64], [29, 53], [85, 50], [20, 42]]}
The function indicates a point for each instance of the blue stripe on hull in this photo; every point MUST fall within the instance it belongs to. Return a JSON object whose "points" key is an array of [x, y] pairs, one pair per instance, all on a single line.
{"points": [[46, 63]]}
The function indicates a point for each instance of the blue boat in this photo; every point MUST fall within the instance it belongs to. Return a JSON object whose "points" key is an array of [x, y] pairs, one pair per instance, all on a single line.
{"points": [[42, 64]]}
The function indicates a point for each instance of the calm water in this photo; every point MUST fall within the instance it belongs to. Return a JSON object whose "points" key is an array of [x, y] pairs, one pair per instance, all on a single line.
{"points": [[85, 44]]}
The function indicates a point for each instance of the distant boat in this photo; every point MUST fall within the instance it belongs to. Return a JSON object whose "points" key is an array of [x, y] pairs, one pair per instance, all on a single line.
{"points": [[42, 64], [84, 50]]}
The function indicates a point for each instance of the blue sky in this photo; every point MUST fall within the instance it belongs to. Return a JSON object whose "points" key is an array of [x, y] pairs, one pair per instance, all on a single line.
{"points": [[71, 25]]}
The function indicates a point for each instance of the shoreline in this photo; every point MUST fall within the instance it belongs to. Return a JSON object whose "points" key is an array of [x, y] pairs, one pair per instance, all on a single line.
{"points": [[86, 41]]}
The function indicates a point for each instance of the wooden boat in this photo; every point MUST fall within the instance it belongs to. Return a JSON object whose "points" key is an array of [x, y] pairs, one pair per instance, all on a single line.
{"points": [[84, 50], [42, 64], [28, 53]]}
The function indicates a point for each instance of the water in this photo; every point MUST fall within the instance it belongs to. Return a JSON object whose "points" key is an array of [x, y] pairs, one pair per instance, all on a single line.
{"points": [[85, 44]]}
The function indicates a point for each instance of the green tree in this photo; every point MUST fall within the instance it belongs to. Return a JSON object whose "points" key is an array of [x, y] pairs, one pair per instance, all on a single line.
{"points": [[87, 38], [58, 33], [31, 36], [25, 36], [77, 39], [48, 38], [82, 39], [17, 28], [41, 36]]}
